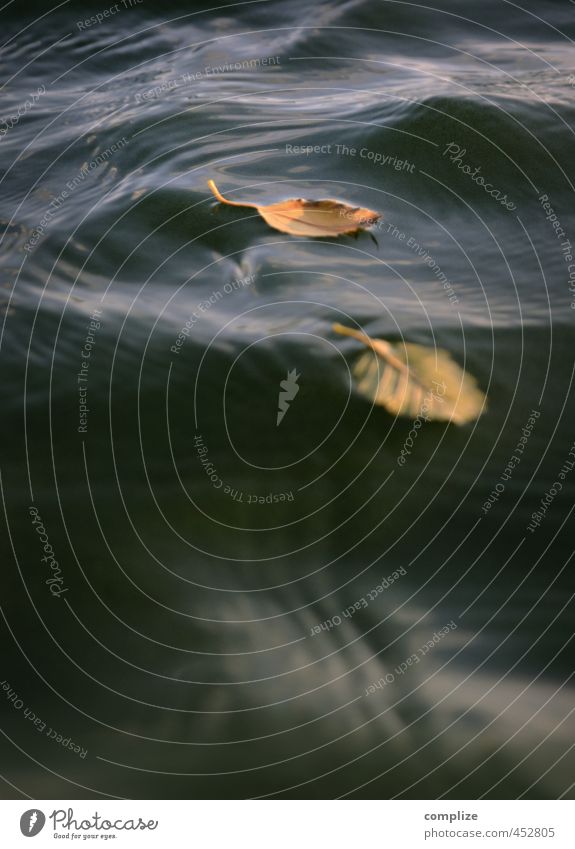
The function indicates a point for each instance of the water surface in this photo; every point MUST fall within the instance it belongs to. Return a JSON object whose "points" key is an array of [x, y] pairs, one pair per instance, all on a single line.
{"points": [[184, 655]]}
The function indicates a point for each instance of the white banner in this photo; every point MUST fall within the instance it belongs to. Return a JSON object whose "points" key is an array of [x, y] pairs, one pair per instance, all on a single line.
{"points": [[285, 824]]}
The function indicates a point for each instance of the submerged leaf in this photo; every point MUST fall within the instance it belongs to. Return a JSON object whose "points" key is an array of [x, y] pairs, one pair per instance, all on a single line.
{"points": [[412, 380], [300, 217]]}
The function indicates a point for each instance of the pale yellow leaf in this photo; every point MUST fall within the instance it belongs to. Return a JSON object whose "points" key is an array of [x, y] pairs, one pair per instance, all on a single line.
{"points": [[300, 217], [413, 380]]}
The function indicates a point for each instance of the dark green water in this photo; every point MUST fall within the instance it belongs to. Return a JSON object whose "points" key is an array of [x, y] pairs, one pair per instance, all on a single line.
{"points": [[178, 648]]}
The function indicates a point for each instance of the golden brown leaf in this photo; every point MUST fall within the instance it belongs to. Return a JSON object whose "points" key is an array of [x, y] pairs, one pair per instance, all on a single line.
{"points": [[300, 217], [413, 380]]}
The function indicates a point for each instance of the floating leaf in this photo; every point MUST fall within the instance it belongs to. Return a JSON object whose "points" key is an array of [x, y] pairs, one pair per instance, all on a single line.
{"points": [[300, 217], [412, 380]]}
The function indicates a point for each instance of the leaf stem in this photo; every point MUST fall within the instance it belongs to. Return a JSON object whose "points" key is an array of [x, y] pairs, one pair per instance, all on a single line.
{"points": [[379, 346], [222, 199]]}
